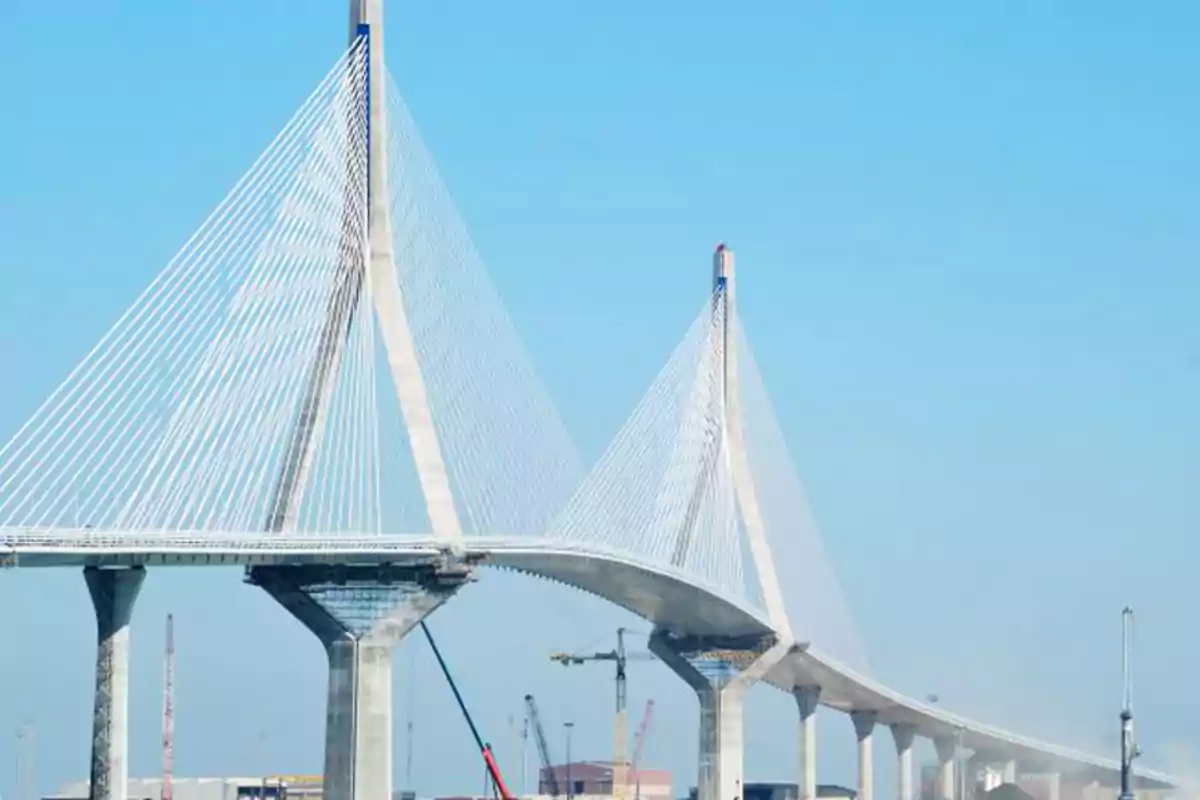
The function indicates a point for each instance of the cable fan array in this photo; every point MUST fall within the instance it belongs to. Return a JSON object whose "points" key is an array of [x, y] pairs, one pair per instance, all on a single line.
{"points": [[511, 462], [180, 417], [816, 603], [663, 492], [242, 391]]}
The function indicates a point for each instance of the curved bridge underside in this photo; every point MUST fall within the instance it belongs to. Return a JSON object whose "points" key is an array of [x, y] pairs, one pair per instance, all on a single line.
{"points": [[657, 594]]}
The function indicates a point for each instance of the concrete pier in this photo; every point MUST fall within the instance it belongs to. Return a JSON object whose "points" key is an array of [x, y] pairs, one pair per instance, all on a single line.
{"points": [[1009, 772], [992, 777], [807, 700], [722, 746], [113, 592], [946, 750], [864, 730], [1054, 785], [358, 715], [903, 736]]}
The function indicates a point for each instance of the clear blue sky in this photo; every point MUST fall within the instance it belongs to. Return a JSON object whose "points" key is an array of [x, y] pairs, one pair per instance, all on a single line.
{"points": [[968, 251]]}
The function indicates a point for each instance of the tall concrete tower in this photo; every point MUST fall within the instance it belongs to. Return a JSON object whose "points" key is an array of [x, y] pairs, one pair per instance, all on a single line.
{"points": [[361, 614], [744, 661]]}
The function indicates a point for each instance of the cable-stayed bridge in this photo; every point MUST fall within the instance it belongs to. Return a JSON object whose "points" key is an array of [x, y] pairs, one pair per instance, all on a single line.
{"points": [[323, 388]]}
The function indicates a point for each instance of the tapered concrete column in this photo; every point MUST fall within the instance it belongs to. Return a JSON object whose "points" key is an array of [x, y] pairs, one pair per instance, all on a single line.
{"points": [[807, 699], [993, 772], [1053, 785], [358, 715], [946, 751], [358, 722], [903, 734], [1009, 774], [113, 592], [864, 729], [722, 746]]}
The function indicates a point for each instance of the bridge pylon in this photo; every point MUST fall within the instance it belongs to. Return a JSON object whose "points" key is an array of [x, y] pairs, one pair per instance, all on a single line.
{"points": [[361, 613], [722, 669]]}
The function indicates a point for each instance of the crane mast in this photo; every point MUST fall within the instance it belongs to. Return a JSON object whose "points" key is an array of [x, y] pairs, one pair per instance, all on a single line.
{"points": [[638, 745], [620, 766], [168, 723], [1129, 749], [620, 762], [539, 734]]}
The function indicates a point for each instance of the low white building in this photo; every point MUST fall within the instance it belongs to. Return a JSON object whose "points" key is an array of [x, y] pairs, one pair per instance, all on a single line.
{"points": [[274, 787]]}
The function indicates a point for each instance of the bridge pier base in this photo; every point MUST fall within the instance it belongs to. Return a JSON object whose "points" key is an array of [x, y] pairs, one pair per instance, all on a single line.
{"points": [[992, 776], [360, 614], [946, 751], [904, 735], [864, 730], [1054, 785], [721, 692], [114, 592], [807, 699]]}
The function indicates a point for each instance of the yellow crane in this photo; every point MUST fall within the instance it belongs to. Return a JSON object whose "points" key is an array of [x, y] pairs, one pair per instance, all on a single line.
{"points": [[620, 765]]}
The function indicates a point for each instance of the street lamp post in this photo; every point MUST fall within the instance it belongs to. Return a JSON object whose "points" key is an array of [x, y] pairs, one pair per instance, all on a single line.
{"points": [[962, 766], [1129, 748], [25, 779], [569, 726]]}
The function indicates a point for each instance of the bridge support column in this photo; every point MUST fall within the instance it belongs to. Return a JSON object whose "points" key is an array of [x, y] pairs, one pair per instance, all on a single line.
{"points": [[946, 751], [807, 699], [737, 664], [864, 730], [1053, 785], [1009, 771], [113, 592], [992, 777], [904, 735], [359, 614]]}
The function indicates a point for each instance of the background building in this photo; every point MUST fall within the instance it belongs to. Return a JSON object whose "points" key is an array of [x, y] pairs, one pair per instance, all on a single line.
{"points": [[182, 789], [788, 791], [594, 779], [271, 787]]}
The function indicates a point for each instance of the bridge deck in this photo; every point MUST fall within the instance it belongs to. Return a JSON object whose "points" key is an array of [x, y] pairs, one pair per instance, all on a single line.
{"points": [[655, 594]]}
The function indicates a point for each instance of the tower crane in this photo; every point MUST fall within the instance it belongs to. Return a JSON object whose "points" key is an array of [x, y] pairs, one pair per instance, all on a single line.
{"points": [[1129, 748], [539, 733], [168, 723], [620, 765], [639, 742]]}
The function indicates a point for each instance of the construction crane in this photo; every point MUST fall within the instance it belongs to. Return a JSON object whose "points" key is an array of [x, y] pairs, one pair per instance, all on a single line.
{"points": [[168, 722], [1129, 748], [484, 749], [620, 765], [539, 733], [639, 742]]}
